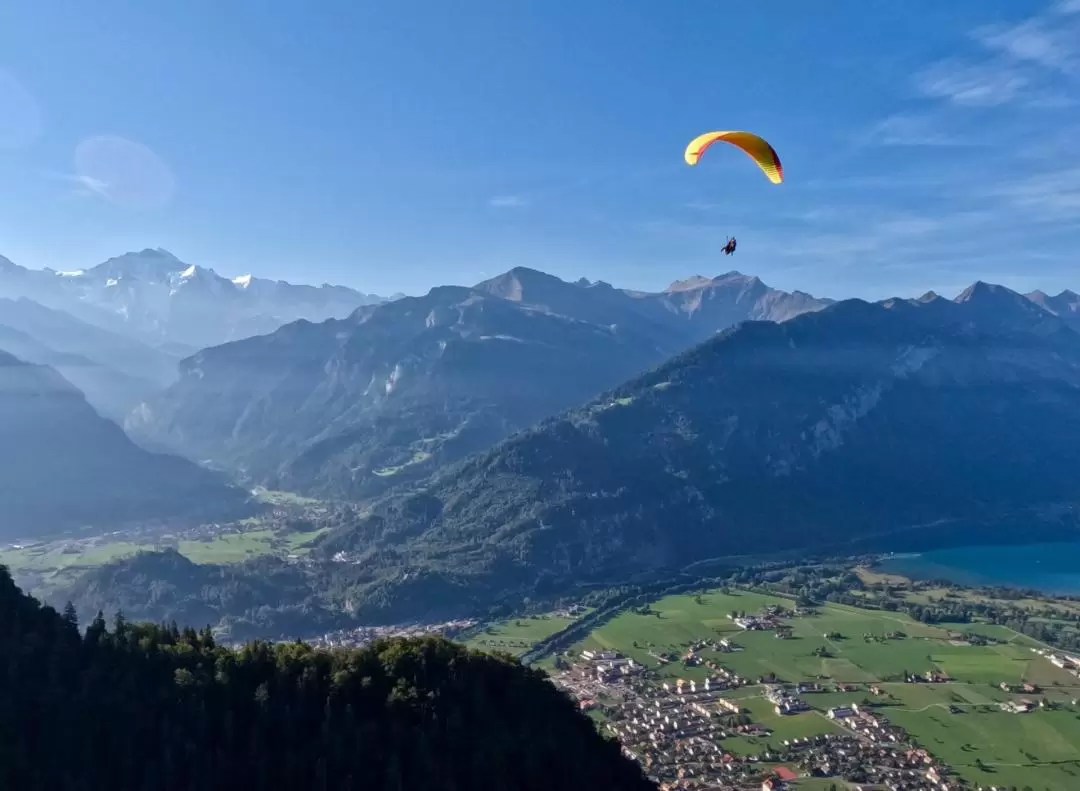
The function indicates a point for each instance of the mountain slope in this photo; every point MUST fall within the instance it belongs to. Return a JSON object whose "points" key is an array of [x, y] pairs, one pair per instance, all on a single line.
{"points": [[66, 334], [62, 465], [154, 297], [112, 393], [859, 420], [1065, 305], [142, 706], [384, 397]]}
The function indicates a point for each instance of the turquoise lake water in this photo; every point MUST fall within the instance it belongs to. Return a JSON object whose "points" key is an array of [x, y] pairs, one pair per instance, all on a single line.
{"points": [[1050, 568]]}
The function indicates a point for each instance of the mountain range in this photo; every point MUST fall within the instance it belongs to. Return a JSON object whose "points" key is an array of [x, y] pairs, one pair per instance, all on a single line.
{"points": [[351, 407], [155, 298], [900, 422], [64, 466], [894, 425]]}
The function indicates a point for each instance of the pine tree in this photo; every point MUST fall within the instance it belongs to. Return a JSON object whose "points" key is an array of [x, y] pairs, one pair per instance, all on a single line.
{"points": [[70, 616]]}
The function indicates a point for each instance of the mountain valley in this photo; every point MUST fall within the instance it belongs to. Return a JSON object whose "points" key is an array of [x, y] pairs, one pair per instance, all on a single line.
{"points": [[859, 426], [383, 398]]}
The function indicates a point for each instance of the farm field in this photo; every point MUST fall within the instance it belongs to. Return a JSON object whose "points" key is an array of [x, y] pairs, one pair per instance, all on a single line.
{"points": [[958, 720], [518, 635]]}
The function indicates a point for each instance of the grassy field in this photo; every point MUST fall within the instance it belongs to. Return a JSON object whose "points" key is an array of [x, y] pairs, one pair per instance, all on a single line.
{"points": [[60, 555], [60, 558], [518, 635], [283, 498], [1040, 749]]}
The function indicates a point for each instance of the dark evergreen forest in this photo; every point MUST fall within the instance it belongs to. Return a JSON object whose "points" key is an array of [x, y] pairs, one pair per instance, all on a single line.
{"points": [[152, 708]]}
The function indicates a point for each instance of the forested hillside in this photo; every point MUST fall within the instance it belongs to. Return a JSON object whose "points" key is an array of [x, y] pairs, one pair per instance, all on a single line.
{"points": [[140, 707]]}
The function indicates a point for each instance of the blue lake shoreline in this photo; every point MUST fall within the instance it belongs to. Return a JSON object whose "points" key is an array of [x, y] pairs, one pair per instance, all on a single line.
{"points": [[1052, 568]]}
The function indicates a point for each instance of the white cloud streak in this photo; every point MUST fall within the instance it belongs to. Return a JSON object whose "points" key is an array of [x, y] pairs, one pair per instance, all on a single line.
{"points": [[1034, 41], [972, 86], [508, 202], [911, 130]]}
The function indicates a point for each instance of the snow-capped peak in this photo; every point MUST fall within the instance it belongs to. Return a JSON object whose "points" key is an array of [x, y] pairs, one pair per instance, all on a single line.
{"points": [[242, 280]]}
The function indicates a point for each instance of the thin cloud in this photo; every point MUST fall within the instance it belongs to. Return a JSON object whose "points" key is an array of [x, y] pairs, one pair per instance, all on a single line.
{"points": [[82, 186], [508, 202], [1031, 41], [972, 86], [88, 185], [1022, 64], [1051, 196], [911, 130]]}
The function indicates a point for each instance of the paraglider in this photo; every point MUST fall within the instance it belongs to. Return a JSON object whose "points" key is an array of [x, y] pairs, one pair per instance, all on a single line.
{"points": [[757, 148]]}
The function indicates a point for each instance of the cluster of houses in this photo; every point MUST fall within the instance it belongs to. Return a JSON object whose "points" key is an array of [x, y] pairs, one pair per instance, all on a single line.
{"points": [[361, 636], [1066, 662], [1022, 706], [934, 676], [862, 764], [608, 667], [885, 756], [678, 738], [784, 702], [768, 619]]}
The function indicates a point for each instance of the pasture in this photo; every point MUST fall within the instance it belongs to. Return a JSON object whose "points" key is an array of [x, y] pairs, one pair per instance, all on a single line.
{"points": [[518, 635]]}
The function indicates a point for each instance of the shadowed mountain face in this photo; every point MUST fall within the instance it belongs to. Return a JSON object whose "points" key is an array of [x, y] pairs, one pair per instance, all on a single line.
{"points": [[63, 466], [111, 392], [855, 422], [389, 394]]}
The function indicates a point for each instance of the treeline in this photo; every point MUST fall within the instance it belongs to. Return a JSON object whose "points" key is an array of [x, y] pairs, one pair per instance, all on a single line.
{"points": [[138, 706]]}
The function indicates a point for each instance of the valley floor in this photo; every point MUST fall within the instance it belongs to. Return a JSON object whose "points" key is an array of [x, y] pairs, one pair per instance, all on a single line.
{"points": [[45, 565], [967, 719]]}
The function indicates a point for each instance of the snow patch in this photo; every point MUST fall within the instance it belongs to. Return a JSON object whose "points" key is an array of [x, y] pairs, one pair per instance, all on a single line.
{"points": [[72, 273], [112, 281], [189, 272], [243, 281], [393, 379]]}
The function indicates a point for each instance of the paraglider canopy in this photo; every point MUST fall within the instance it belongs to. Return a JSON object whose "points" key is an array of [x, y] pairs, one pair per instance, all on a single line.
{"points": [[755, 147]]}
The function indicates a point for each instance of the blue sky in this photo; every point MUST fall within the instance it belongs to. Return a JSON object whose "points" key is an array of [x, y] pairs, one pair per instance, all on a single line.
{"points": [[397, 146]]}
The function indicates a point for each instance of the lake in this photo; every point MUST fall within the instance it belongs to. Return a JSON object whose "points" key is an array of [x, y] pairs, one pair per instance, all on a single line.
{"points": [[1051, 568]]}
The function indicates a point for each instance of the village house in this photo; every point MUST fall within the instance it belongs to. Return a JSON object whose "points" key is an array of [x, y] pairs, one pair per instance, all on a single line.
{"points": [[600, 656]]}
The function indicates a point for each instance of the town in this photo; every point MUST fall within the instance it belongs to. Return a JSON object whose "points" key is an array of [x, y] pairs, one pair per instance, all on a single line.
{"points": [[361, 636], [702, 733]]}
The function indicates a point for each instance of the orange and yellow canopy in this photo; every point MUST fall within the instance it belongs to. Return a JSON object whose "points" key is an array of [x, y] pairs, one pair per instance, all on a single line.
{"points": [[755, 147]]}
